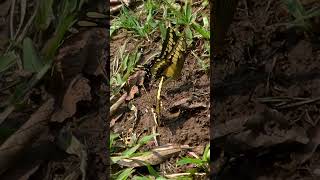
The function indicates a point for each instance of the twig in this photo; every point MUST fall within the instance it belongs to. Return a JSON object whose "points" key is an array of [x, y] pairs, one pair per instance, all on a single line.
{"points": [[299, 103], [13, 4], [22, 35], [117, 104], [183, 174], [269, 74]]}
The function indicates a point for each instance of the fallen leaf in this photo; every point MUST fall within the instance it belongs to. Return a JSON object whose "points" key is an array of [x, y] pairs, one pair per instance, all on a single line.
{"points": [[137, 78], [113, 120], [311, 147], [134, 90], [82, 53], [79, 90], [153, 157], [295, 134], [22, 138]]}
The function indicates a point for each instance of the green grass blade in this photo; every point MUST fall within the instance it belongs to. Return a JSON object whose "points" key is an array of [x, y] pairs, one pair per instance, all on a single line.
{"points": [[188, 12], [185, 160], [23, 88], [294, 7], [189, 35], [314, 12], [146, 139], [163, 31], [125, 174], [31, 60], [161, 178], [53, 44], [129, 152], [44, 15], [141, 178], [113, 137], [206, 154], [152, 171], [201, 30]]}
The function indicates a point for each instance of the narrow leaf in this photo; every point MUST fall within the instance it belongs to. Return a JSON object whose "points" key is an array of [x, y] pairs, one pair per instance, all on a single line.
{"points": [[205, 34], [44, 15], [190, 161], [125, 174], [146, 139], [31, 61]]}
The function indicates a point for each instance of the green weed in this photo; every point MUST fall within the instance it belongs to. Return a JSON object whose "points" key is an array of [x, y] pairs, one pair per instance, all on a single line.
{"points": [[301, 16], [34, 60], [131, 21], [154, 15], [129, 150], [186, 17], [204, 64], [202, 164], [123, 66]]}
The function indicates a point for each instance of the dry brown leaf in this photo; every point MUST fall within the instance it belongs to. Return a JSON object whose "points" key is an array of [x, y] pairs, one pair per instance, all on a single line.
{"points": [[311, 147], [255, 122], [115, 5], [113, 120], [135, 81], [79, 90], [82, 53], [21, 139], [181, 102], [186, 103], [137, 78], [134, 90], [295, 134]]}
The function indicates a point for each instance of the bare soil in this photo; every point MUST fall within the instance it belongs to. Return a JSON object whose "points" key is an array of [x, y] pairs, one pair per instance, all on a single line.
{"points": [[191, 127], [266, 97]]}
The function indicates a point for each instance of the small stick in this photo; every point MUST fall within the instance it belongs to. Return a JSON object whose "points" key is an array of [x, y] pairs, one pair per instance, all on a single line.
{"points": [[158, 106], [154, 128]]}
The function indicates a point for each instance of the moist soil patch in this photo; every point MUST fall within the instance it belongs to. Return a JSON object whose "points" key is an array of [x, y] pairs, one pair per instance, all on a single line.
{"points": [[190, 127]]}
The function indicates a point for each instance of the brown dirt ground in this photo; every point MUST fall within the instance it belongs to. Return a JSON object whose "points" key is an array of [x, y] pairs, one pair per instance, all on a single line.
{"points": [[265, 60], [191, 128]]}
